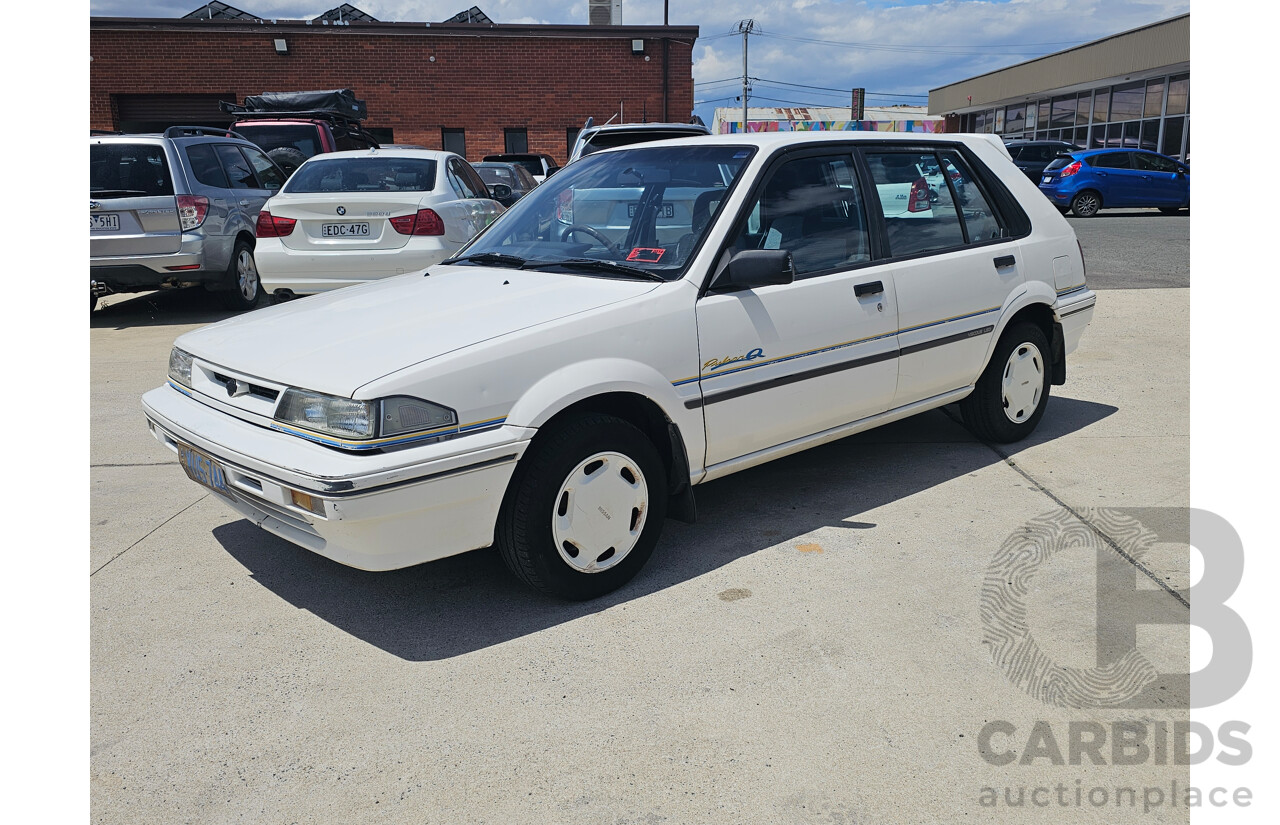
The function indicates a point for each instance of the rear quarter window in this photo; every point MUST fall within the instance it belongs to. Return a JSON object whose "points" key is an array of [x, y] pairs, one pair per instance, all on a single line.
{"points": [[128, 170], [205, 167]]}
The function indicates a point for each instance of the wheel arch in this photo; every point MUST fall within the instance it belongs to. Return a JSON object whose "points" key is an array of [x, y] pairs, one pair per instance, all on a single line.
{"points": [[1036, 306]]}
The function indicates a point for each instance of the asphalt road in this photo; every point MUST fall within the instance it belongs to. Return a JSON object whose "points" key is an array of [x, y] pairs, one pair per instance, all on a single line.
{"points": [[1135, 248], [816, 649]]}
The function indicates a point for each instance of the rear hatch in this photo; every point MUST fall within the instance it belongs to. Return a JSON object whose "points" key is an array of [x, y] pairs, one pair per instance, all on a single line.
{"points": [[1051, 170], [132, 209]]}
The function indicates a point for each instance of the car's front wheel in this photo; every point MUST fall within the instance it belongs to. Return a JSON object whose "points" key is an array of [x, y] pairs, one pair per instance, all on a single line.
{"points": [[1086, 204], [246, 287], [1011, 394], [585, 507]]}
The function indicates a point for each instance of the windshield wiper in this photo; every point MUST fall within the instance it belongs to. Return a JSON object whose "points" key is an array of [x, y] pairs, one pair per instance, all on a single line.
{"points": [[494, 258], [599, 266]]}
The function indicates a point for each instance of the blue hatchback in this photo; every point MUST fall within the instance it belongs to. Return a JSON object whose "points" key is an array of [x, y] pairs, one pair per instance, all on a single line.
{"points": [[1085, 182]]}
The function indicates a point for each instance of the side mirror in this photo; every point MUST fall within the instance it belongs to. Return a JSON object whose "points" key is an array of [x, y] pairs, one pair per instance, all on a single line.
{"points": [[499, 191], [751, 268]]}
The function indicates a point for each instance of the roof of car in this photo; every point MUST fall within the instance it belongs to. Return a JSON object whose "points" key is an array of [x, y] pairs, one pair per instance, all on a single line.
{"points": [[772, 140], [384, 152]]}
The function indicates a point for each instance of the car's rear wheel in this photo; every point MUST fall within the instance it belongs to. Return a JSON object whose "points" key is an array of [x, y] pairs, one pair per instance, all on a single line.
{"points": [[585, 507], [1086, 204], [1011, 394], [246, 287]]}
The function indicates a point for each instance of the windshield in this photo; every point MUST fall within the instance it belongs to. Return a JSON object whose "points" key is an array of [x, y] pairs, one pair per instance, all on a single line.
{"points": [[298, 136], [496, 174], [646, 209], [369, 174]]}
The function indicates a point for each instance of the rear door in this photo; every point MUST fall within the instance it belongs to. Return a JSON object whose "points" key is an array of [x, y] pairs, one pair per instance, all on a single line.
{"points": [[952, 269], [1116, 178], [132, 209]]}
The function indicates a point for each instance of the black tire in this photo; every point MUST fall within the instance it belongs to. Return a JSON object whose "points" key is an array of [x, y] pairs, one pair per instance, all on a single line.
{"points": [[985, 409], [244, 287], [525, 534], [287, 158], [1171, 210], [1086, 204]]}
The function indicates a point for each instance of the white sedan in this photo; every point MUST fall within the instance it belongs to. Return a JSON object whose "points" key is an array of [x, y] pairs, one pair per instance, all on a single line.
{"points": [[350, 217]]}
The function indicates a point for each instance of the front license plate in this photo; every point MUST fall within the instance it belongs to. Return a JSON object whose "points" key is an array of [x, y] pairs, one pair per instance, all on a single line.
{"points": [[104, 223], [668, 210], [203, 470], [344, 230]]}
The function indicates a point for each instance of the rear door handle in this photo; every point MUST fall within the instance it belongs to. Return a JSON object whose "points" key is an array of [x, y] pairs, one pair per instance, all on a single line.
{"points": [[873, 288], [1004, 261], [244, 203]]}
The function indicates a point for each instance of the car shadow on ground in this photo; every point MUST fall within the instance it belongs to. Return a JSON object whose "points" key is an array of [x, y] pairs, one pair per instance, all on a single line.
{"points": [[469, 602], [1130, 213], [192, 305]]}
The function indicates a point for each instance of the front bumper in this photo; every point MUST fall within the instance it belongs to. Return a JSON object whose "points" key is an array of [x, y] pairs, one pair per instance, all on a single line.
{"points": [[380, 512]]}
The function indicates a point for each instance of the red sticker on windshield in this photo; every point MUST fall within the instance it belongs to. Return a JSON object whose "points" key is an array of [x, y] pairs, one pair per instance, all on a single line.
{"points": [[646, 255]]}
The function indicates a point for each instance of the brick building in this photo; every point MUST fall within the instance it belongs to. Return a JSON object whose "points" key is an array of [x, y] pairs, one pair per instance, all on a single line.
{"points": [[482, 87]]}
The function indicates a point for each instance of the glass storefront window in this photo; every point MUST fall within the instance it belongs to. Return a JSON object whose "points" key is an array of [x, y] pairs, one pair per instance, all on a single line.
{"points": [[1015, 119], [1155, 97], [1172, 143], [1126, 101], [1150, 135], [1082, 109], [1101, 103], [1179, 89], [1064, 112], [1042, 120]]}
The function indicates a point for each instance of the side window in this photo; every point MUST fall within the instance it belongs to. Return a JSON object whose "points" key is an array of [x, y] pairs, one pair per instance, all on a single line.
{"points": [[979, 218], [473, 179], [462, 181], [1153, 163], [237, 168], [205, 166], [455, 184], [1018, 152], [1111, 160], [268, 174], [920, 214], [811, 207]]}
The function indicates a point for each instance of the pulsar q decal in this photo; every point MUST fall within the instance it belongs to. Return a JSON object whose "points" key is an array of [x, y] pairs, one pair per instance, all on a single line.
{"points": [[716, 363]]}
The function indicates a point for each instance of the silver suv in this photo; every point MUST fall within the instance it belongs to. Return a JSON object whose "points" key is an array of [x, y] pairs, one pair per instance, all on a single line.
{"points": [[177, 209], [593, 138]]}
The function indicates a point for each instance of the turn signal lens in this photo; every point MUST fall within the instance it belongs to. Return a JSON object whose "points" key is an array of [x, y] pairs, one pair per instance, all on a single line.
{"points": [[307, 502]]}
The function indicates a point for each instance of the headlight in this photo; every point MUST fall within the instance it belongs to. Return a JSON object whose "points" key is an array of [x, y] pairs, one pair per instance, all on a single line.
{"points": [[363, 420], [180, 366]]}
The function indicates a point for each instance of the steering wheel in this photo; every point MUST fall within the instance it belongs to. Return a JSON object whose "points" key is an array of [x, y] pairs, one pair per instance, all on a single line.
{"points": [[594, 233]]}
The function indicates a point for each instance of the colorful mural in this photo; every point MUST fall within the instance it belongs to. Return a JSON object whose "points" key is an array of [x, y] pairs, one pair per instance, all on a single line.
{"points": [[927, 126]]}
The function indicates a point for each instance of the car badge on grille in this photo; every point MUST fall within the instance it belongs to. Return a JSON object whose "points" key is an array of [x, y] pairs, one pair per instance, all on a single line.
{"points": [[342, 210], [94, 205], [235, 388]]}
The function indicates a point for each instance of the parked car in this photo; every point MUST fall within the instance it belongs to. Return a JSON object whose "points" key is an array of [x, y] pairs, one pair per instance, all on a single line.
{"points": [[177, 209], [350, 217], [593, 138], [539, 165], [1032, 156], [559, 389], [514, 178], [1087, 181], [293, 126]]}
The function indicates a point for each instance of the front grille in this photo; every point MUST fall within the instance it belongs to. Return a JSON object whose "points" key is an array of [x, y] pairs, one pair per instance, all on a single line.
{"points": [[265, 393]]}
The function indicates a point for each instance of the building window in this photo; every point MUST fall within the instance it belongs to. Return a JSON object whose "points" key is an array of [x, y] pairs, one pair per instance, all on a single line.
{"points": [[1082, 109], [1126, 101], [1101, 104], [1042, 120], [1015, 119], [1179, 88], [1155, 97], [517, 141], [454, 140], [1172, 145]]}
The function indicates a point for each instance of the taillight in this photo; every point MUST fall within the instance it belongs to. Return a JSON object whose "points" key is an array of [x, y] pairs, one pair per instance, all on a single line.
{"points": [[426, 222], [192, 210], [1071, 169], [918, 200], [272, 227]]}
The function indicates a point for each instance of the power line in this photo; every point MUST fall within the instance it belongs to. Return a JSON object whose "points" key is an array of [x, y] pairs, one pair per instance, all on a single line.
{"points": [[831, 88]]}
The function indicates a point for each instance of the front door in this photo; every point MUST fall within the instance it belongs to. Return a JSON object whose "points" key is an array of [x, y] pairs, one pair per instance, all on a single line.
{"points": [[785, 361]]}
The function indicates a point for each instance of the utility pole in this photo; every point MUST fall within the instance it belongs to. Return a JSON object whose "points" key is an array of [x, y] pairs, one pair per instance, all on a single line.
{"points": [[746, 27]]}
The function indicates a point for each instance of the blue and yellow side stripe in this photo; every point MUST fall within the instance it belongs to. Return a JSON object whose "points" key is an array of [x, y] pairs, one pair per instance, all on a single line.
{"points": [[833, 347]]}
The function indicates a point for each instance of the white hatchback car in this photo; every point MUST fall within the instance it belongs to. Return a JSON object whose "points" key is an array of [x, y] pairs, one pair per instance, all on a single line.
{"points": [[649, 319], [350, 217]]}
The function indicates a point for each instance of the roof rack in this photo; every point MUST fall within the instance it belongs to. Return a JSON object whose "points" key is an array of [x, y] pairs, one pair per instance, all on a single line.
{"points": [[241, 113], [201, 131]]}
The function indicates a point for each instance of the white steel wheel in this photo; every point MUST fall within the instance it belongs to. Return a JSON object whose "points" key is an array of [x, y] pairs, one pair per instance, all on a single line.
{"points": [[600, 512], [1023, 382]]}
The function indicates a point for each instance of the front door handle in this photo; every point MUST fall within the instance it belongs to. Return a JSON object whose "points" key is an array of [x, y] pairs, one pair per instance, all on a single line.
{"points": [[1004, 261], [872, 288]]}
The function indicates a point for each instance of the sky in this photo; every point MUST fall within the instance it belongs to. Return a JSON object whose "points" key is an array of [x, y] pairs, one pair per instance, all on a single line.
{"points": [[895, 49]]}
